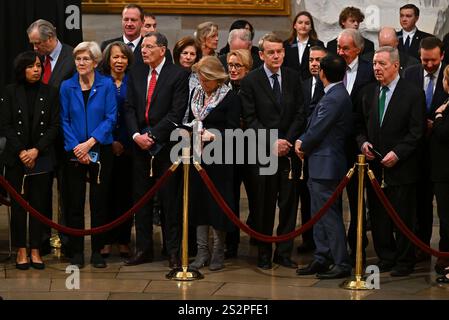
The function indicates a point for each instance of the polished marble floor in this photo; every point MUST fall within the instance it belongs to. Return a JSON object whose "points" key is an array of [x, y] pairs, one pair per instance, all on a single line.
{"points": [[240, 280]]}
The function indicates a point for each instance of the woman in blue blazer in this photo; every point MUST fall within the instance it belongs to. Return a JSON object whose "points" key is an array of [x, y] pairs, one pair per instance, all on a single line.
{"points": [[88, 117]]}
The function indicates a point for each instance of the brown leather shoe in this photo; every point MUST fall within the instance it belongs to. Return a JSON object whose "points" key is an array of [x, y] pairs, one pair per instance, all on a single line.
{"points": [[138, 258]]}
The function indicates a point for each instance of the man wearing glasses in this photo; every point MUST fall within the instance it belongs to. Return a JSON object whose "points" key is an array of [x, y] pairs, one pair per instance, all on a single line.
{"points": [[157, 98]]}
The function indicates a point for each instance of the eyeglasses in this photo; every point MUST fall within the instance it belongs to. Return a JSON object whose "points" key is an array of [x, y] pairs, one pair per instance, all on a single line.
{"points": [[83, 59], [235, 66], [151, 47]]}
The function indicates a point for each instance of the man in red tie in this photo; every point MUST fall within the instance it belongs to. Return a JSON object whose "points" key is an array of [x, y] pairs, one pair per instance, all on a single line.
{"points": [[157, 98], [58, 60]]}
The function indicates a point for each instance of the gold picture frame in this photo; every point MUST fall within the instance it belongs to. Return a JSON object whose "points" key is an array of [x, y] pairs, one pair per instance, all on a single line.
{"points": [[200, 7]]}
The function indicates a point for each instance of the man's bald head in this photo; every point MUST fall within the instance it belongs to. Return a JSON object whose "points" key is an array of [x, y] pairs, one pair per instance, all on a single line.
{"points": [[388, 38]]}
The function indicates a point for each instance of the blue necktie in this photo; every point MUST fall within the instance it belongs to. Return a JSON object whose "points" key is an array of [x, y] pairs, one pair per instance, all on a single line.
{"points": [[407, 44], [276, 88], [429, 92]]}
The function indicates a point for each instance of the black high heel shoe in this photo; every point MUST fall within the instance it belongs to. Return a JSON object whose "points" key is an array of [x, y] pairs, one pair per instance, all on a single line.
{"points": [[22, 266], [37, 265], [443, 279]]}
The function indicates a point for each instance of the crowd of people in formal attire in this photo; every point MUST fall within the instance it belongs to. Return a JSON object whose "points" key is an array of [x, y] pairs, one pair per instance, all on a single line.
{"points": [[104, 115]]}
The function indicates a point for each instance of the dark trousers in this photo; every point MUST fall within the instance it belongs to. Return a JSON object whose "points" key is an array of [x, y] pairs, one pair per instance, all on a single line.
{"points": [[120, 198], [168, 195], [37, 189], [442, 197], [277, 189], [304, 197], [424, 209], [329, 232], [77, 175], [242, 173], [390, 244]]}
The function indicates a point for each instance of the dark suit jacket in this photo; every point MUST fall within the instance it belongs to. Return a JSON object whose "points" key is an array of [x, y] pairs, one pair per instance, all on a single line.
{"points": [[401, 131], [309, 101], [415, 74], [137, 50], [365, 75], [292, 57], [15, 121], [260, 109], [414, 46], [369, 46], [405, 60], [327, 129], [64, 67], [439, 149], [168, 103]]}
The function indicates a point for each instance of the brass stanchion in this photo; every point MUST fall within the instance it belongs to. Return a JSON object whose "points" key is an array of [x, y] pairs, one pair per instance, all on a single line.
{"points": [[359, 282], [184, 273]]}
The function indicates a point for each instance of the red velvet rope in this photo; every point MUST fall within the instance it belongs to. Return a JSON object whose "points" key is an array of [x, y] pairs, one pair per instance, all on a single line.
{"points": [[260, 236], [401, 225], [80, 232]]}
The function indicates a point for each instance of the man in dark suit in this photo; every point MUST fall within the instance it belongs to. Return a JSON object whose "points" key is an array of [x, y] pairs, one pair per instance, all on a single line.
{"points": [[132, 23], [428, 75], [272, 99], [350, 18], [358, 74], [59, 65], [323, 143], [391, 120], [240, 39], [157, 98], [42, 35], [313, 90], [446, 48], [409, 36], [387, 37]]}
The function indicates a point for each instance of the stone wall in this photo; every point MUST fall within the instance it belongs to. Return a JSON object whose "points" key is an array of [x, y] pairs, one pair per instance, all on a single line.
{"points": [[434, 18]]}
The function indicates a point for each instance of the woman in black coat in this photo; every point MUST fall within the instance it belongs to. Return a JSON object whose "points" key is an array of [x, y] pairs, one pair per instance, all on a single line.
{"points": [[297, 47], [439, 153], [29, 117], [214, 107]]}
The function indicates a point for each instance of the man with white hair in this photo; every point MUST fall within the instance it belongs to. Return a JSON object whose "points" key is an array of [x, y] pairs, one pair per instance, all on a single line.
{"points": [[240, 39]]}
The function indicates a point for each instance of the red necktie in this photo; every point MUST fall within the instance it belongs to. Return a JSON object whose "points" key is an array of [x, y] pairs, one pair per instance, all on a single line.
{"points": [[47, 70], [150, 93]]}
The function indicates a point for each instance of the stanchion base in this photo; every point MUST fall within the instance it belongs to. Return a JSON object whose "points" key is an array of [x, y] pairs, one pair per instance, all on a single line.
{"points": [[184, 275], [356, 284], [55, 241]]}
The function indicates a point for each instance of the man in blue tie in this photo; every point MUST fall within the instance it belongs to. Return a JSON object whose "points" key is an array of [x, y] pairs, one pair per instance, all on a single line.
{"points": [[428, 75], [409, 36]]}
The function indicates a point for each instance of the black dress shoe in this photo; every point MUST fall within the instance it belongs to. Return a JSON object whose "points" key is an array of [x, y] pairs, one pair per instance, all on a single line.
{"points": [[97, 260], [285, 262], [385, 266], [77, 260], [336, 272], [264, 262], [443, 279], [22, 266], [312, 268], [441, 269], [401, 272], [139, 258], [173, 261]]}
